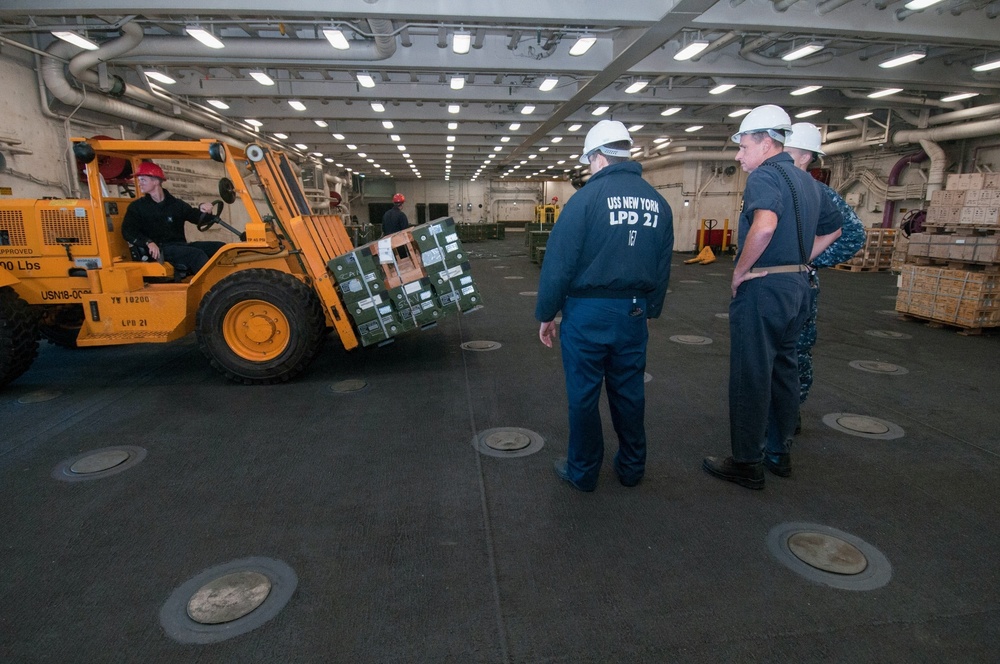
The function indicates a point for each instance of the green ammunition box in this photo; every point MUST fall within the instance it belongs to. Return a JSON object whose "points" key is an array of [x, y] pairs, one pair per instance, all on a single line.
{"points": [[354, 264]]}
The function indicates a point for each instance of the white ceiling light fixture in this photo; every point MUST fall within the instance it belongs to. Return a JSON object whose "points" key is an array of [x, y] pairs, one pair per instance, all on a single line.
{"points": [[461, 41], [387, 124], [514, 126], [352, 147], [336, 38], [451, 139], [204, 36], [394, 138], [365, 80], [671, 111], [987, 66], [527, 109], [75, 39], [158, 76], [452, 126], [558, 139], [505, 139], [904, 59], [454, 108], [719, 89], [694, 128], [321, 123], [401, 148], [692, 49], [339, 137], [636, 87], [634, 128], [917, 5], [802, 51], [582, 44], [262, 77], [296, 104], [739, 113], [254, 123], [378, 107], [280, 136], [884, 93], [600, 110], [574, 127], [218, 103], [960, 96], [302, 146], [662, 139], [548, 84], [457, 82], [808, 114], [806, 90], [855, 116]]}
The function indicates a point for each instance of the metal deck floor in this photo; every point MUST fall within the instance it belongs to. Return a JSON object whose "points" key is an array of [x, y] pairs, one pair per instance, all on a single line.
{"points": [[411, 546]]}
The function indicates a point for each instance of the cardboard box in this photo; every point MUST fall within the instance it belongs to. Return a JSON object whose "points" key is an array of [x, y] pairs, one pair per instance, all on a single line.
{"points": [[959, 297], [940, 214], [991, 181]]}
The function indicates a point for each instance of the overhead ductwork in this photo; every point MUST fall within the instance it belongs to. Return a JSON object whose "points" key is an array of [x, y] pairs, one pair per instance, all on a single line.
{"points": [[684, 157], [903, 99]]}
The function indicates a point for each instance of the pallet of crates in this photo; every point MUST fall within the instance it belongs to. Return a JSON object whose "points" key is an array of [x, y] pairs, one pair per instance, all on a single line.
{"points": [[876, 253], [446, 266], [967, 300]]}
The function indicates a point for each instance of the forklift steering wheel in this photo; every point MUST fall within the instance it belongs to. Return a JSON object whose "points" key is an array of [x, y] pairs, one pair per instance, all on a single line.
{"points": [[208, 220]]}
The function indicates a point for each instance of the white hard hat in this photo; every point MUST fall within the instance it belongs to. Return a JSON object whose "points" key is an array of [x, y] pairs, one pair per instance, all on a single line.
{"points": [[763, 118], [602, 133], [805, 136]]}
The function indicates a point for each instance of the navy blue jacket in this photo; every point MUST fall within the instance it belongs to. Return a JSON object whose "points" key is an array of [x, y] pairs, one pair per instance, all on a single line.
{"points": [[614, 238], [394, 220], [767, 190]]}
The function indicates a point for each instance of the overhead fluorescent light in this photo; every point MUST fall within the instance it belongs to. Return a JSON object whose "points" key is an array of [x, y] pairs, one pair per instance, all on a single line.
{"points": [[694, 128], [336, 38], [582, 45], [76, 40], [719, 89], [280, 136], [662, 139], [691, 50], [452, 126], [802, 51], [262, 78], [855, 116], [394, 138], [505, 139], [904, 59], [884, 93], [558, 139], [809, 113], [158, 76], [635, 128], [302, 146], [352, 147], [321, 123], [527, 109], [254, 123], [401, 148], [366, 80], [739, 113], [451, 139], [600, 110], [461, 42], [917, 5], [960, 96], [204, 36], [296, 104], [219, 104], [339, 137], [514, 126], [574, 127], [378, 107], [806, 90], [387, 124], [454, 108], [671, 110], [636, 87], [987, 66], [457, 82], [548, 84]]}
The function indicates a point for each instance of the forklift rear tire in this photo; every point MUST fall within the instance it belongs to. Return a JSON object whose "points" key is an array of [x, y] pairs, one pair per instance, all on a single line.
{"points": [[18, 336], [260, 327]]}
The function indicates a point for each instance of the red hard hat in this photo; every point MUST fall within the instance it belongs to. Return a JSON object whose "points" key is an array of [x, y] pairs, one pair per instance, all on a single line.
{"points": [[150, 169], [398, 198], [555, 199]]}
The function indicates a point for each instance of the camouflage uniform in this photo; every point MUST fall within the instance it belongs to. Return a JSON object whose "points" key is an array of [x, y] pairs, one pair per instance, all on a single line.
{"points": [[851, 239]]}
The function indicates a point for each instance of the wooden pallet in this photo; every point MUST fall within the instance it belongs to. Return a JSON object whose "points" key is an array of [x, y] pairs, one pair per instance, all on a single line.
{"points": [[844, 267], [944, 324], [933, 261]]}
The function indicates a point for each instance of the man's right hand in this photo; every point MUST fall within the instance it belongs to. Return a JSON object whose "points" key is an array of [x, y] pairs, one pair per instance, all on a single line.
{"points": [[547, 333], [154, 251]]}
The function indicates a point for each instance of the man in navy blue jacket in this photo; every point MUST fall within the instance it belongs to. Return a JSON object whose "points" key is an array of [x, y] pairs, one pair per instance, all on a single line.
{"points": [[606, 267]]}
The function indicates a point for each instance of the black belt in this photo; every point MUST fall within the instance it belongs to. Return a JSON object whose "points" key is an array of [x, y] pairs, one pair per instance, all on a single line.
{"points": [[774, 269]]}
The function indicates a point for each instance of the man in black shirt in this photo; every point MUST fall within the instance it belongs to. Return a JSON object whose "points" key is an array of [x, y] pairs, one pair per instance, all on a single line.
{"points": [[395, 219]]}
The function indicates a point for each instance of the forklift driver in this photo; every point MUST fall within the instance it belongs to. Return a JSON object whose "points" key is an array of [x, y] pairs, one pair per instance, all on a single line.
{"points": [[156, 222]]}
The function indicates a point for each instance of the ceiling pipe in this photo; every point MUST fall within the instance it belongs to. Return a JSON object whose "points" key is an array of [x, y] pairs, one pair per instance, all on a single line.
{"points": [[717, 44], [765, 61], [842, 133], [964, 114], [828, 6], [897, 168], [935, 175], [909, 136], [782, 5], [684, 157], [912, 101]]}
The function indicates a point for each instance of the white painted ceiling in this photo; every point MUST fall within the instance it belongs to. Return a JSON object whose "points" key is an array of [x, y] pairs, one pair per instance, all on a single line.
{"points": [[406, 47]]}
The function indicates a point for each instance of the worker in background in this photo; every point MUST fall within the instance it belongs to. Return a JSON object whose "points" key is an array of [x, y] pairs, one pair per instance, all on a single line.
{"points": [[803, 144], [786, 221], [156, 222], [394, 218], [607, 263]]}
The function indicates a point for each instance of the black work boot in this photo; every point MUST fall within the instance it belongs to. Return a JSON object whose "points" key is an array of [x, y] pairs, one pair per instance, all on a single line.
{"points": [[779, 464], [750, 475]]}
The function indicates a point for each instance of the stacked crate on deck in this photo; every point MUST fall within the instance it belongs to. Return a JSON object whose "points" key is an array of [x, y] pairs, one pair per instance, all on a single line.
{"points": [[404, 281], [952, 275], [875, 255], [478, 232]]}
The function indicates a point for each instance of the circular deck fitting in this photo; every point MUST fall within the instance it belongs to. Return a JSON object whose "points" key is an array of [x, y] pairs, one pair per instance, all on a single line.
{"points": [[348, 386], [529, 293], [874, 366], [887, 312], [722, 316], [481, 345], [863, 426], [39, 396], [98, 464], [690, 340], [691, 281], [514, 276], [646, 377], [888, 334], [829, 556], [507, 442], [227, 600]]}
